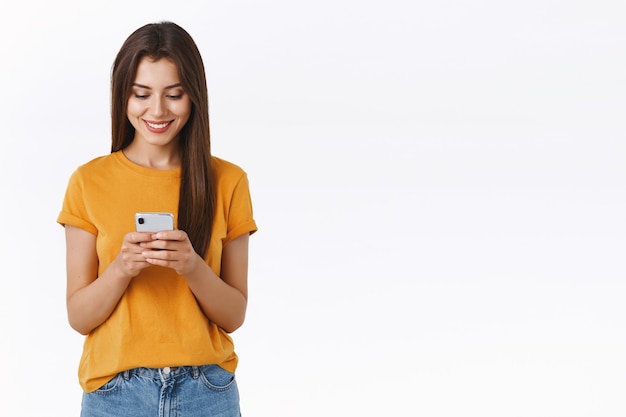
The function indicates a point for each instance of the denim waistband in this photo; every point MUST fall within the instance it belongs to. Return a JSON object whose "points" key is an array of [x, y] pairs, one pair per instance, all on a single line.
{"points": [[163, 373]]}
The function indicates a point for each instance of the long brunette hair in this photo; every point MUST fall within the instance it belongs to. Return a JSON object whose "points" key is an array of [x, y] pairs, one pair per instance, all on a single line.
{"points": [[196, 204]]}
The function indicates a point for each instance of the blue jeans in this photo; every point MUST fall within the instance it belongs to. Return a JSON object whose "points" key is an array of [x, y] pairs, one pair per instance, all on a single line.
{"points": [[186, 391]]}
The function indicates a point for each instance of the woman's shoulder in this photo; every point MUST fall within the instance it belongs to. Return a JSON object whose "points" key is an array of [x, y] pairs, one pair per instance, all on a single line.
{"points": [[98, 162], [97, 165], [226, 169], [228, 176]]}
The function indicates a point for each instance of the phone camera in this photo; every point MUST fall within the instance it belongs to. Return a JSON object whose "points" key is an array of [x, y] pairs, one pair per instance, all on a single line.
{"points": [[140, 220]]}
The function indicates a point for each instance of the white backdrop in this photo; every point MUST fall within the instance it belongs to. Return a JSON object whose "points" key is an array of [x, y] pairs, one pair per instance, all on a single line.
{"points": [[439, 188]]}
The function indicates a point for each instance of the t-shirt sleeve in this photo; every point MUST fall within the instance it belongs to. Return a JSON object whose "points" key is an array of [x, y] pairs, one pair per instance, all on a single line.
{"points": [[73, 211], [240, 215]]}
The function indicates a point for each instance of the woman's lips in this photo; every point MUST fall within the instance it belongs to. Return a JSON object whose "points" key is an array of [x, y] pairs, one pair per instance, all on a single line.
{"points": [[157, 127]]}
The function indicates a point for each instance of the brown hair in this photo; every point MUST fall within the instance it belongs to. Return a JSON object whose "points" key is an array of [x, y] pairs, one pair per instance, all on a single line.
{"points": [[196, 204]]}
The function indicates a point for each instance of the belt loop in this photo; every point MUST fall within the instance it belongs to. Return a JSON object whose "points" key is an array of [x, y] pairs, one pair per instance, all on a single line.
{"points": [[195, 372], [126, 374]]}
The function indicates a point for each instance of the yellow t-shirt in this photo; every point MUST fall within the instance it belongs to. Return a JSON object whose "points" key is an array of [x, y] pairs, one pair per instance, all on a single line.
{"points": [[157, 322]]}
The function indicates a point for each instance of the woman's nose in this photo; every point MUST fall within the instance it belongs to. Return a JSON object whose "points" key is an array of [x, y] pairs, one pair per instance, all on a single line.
{"points": [[158, 107]]}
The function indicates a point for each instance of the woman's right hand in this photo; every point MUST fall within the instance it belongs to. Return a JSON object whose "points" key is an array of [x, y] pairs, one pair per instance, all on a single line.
{"points": [[130, 261], [91, 298]]}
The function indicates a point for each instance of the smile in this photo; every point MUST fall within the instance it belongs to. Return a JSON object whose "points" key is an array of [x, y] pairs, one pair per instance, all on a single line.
{"points": [[157, 125]]}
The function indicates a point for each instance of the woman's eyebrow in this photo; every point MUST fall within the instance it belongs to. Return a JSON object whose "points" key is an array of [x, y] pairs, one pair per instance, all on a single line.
{"points": [[169, 87]]}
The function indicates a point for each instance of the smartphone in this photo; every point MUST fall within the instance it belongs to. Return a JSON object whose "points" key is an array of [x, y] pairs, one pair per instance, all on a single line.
{"points": [[154, 221]]}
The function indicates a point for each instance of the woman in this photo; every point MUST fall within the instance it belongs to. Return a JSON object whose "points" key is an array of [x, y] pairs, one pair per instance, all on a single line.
{"points": [[157, 307]]}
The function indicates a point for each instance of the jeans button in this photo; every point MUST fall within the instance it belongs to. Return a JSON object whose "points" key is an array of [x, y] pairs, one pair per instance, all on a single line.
{"points": [[166, 370]]}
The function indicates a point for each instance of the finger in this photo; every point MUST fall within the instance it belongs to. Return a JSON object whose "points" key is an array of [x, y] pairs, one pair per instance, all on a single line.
{"points": [[159, 262], [178, 235], [155, 245], [139, 237], [162, 255], [131, 258]]}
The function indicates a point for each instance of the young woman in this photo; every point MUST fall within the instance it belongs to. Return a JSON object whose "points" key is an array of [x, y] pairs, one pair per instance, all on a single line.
{"points": [[157, 307]]}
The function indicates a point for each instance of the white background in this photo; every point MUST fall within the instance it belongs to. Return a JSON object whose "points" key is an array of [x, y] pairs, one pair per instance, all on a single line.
{"points": [[439, 188]]}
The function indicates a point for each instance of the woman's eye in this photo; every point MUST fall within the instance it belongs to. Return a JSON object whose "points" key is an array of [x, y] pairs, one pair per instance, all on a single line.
{"points": [[141, 96], [175, 97]]}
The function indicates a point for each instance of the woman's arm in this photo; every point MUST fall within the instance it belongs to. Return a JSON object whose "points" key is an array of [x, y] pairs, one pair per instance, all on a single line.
{"points": [[91, 301], [222, 299]]}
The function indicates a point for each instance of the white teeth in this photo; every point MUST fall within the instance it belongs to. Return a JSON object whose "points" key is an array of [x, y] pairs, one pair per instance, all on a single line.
{"points": [[157, 126]]}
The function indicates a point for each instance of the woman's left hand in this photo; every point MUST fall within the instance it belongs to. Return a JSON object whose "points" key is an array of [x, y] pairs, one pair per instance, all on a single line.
{"points": [[171, 249]]}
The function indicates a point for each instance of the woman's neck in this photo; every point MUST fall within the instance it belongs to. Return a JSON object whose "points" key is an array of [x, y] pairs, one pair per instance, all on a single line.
{"points": [[154, 157]]}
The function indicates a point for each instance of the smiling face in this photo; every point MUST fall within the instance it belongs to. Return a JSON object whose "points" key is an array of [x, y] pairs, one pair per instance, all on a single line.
{"points": [[158, 107]]}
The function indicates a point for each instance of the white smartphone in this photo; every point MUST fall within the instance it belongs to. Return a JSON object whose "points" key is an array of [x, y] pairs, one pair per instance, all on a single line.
{"points": [[154, 221]]}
